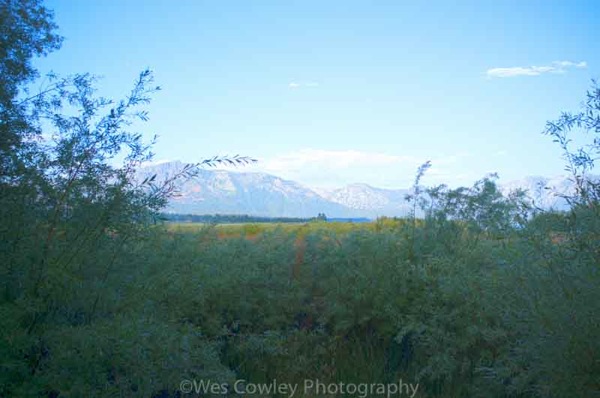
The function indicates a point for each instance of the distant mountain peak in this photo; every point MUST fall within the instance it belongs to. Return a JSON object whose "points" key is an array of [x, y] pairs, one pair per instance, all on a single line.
{"points": [[221, 191]]}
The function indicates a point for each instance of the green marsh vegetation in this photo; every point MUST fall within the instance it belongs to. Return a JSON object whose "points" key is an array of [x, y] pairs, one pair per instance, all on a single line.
{"points": [[483, 296]]}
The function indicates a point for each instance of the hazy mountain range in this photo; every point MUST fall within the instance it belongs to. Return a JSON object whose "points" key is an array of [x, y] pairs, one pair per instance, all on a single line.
{"points": [[261, 194]]}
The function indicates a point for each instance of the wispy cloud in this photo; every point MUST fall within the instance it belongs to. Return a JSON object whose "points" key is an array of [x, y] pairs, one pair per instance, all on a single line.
{"points": [[554, 67], [306, 84], [333, 160], [335, 168], [156, 162]]}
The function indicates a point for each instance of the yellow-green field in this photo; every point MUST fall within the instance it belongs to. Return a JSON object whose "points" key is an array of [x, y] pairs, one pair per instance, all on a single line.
{"points": [[253, 229]]}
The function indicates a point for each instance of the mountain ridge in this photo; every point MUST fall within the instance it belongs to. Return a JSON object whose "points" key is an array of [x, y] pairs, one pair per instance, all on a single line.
{"points": [[220, 191]]}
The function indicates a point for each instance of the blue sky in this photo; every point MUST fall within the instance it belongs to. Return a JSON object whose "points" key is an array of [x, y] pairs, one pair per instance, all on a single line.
{"points": [[334, 92]]}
